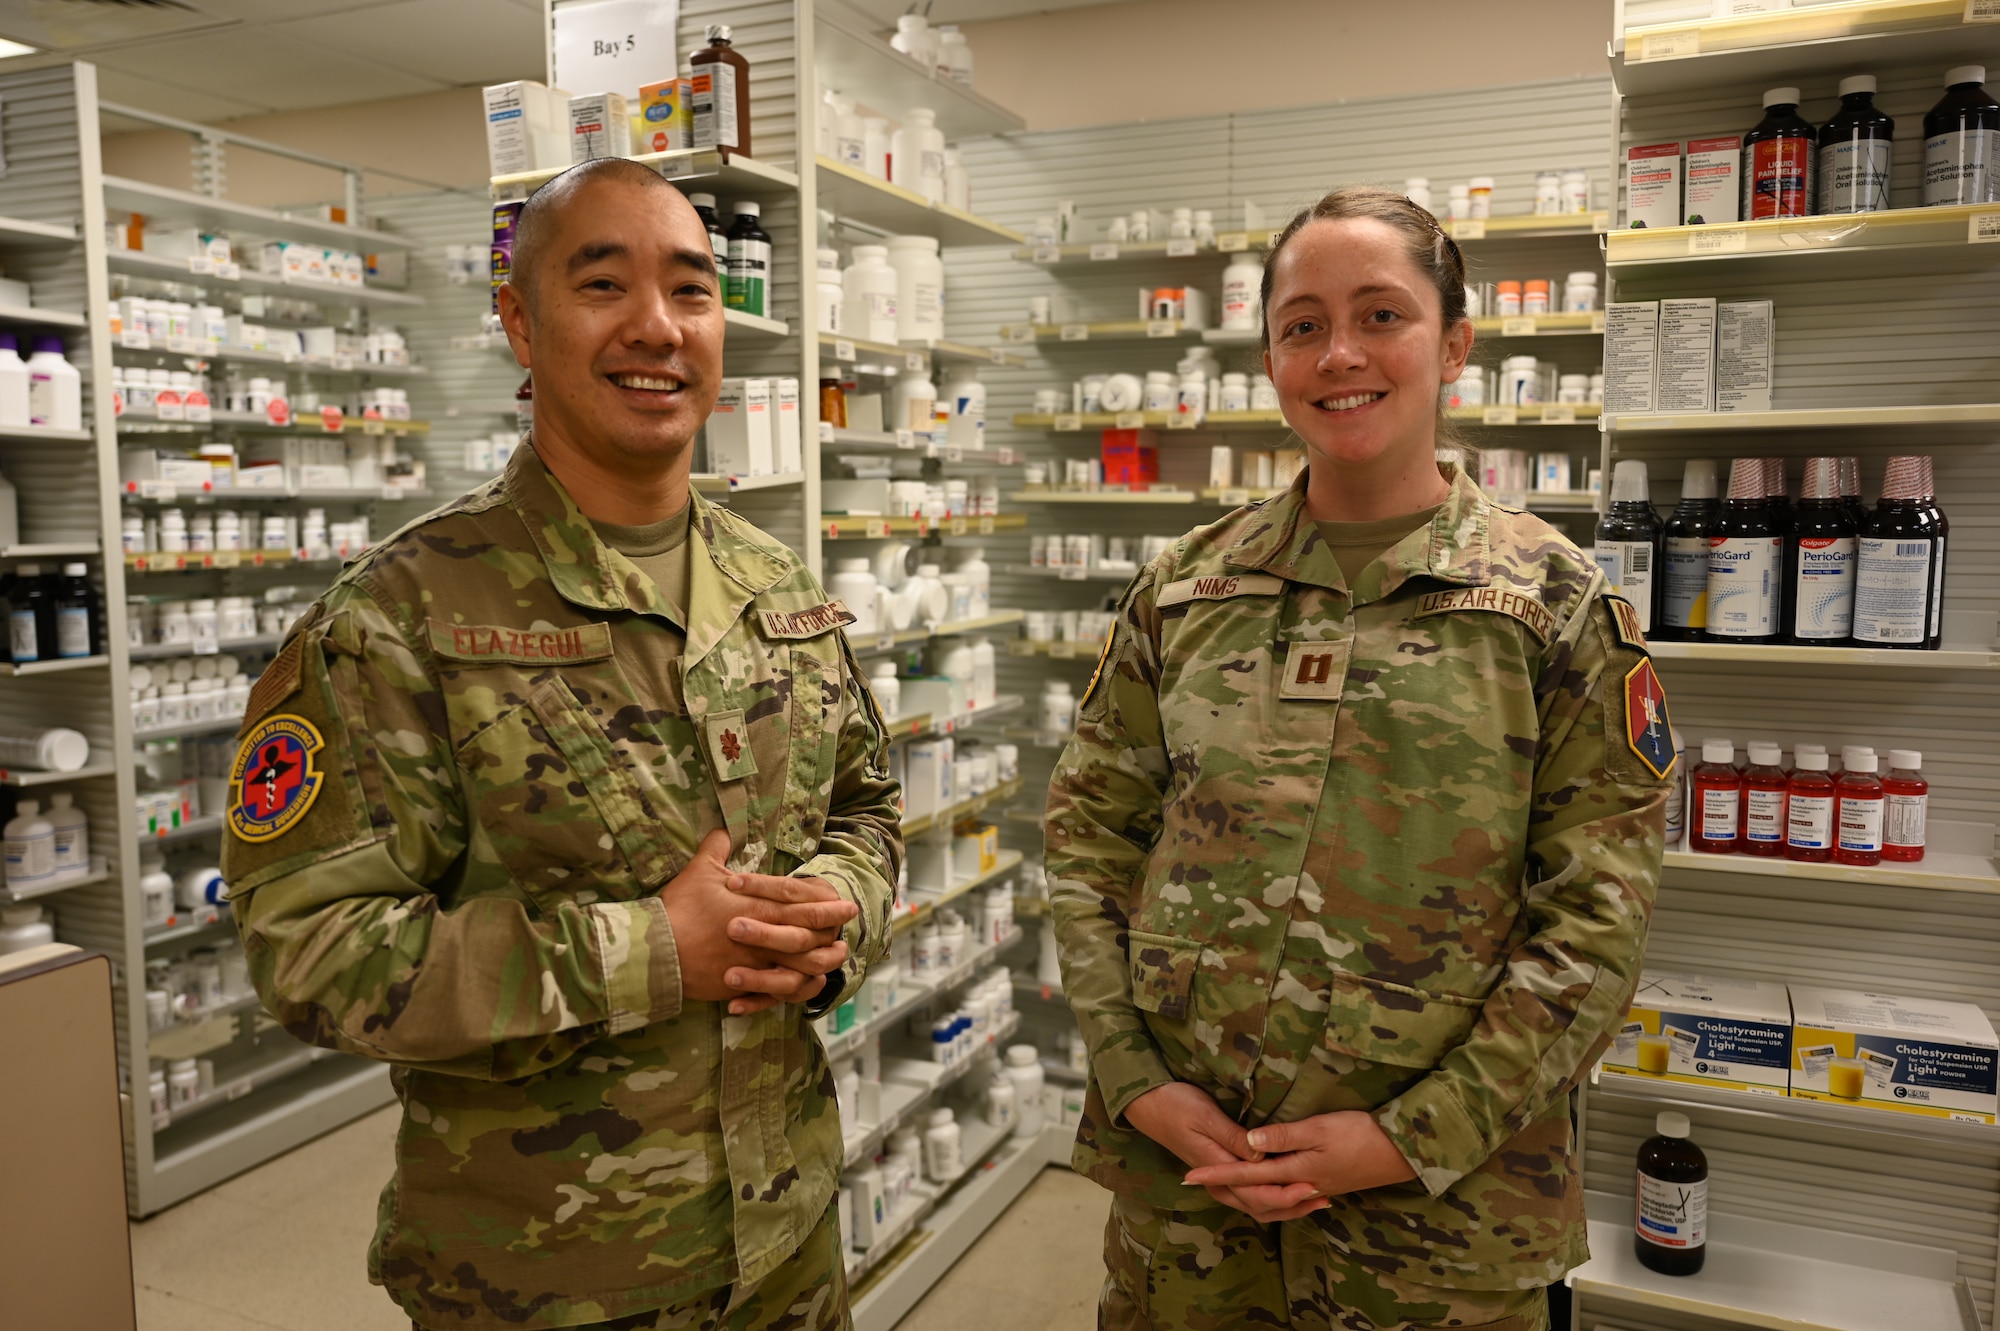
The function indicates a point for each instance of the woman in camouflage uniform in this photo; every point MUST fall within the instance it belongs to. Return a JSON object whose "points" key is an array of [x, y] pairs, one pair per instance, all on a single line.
{"points": [[1353, 851]]}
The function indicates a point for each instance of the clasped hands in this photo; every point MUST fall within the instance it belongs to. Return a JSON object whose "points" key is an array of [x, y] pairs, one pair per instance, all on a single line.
{"points": [[752, 939], [1281, 1171]]}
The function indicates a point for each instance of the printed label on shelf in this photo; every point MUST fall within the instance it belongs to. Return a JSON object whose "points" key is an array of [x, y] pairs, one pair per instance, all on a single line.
{"points": [[1048, 254], [1183, 420], [1702, 240], [181, 344], [1500, 416], [342, 361], [1597, 321], [1162, 327], [135, 338], [225, 559], [876, 527], [906, 438], [1129, 420], [1271, 239], [1020, 647], [1068, 423], [999, 356], [1236, 496], [1600, 222], [843, 349], [987, 525], [1562, 415], [1232, 242], [1669, 45], [886, 640], [826, 432], [1072, 574], [916, 360], [1062, 651], [1469, 228], [229, 272], [1518, 325], [156, 490], [1181, 247], [955, 526], [1021, 333], [1983, 227], [200, 265], [1076, 332], [1103, 249], [1006, 457], [1982, 11], [954, 453]]}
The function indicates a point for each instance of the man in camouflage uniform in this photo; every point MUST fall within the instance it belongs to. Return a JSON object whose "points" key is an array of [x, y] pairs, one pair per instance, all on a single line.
{"points": [[524, 802], [1371, 860]]}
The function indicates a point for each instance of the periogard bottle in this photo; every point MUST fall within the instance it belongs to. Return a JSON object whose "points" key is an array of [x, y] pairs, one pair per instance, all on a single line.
{"points": [[1820, 554], [1745, 561], [1671, 1228], [1899, 573], [1854, 151], [1778, 160], [1684, 555], [1628, 541]]}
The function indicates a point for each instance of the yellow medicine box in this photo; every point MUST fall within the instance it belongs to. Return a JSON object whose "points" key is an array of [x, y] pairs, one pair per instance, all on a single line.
{"points": [[665, 121], [1910, 1055], [1713, 1032]]}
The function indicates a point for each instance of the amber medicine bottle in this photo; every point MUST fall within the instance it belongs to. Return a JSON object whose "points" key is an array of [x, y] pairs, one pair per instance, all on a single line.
{"points": [[1857, 812], [1809, 809], [719, 94], [1764, 789], [1906, 798], [1671, 1228], [1717, 823]]}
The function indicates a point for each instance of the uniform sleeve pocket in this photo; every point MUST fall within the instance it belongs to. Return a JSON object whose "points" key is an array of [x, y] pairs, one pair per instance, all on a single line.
{"points": [[1162, 972], [1394, 1024]]}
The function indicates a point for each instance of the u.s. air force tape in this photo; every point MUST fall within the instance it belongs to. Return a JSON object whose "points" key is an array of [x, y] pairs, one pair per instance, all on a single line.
{"points": [[1495, 600]]}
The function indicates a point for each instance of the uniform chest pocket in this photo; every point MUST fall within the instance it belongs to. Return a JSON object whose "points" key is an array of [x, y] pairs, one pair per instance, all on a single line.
{"points": [[810, 737], [557, 804]]}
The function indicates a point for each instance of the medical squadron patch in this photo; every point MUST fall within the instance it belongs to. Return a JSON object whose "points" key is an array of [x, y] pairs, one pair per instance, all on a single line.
{"points": [[1647, 729], [274, 781]]}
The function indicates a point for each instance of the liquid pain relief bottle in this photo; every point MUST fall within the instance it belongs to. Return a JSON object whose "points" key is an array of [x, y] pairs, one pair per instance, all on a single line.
{"points": [[1717, 818], [1670, 1232], [1628, 541]]}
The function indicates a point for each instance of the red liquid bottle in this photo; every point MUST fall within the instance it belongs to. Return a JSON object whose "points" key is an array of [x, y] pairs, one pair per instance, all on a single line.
{"points": [[1907, 796], [1716, 824], [1809, 809], [1857, 812], [1764, 787]]}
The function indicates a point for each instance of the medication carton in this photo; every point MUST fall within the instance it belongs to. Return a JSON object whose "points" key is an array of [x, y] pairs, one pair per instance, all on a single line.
{"points": [[527, 127], [1653, 185], [1631, 355], [665, 123], [1743, 330], [1707, 1031], [741, 433], [1714, 180], [599, 126], [791, 442], [1131, 457], [1685, 376], [1910, 1055]]}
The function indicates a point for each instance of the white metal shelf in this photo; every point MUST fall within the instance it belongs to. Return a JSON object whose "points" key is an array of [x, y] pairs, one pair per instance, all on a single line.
{"points": [[1106, 495], [710, 483], [901, 1100], [57, 666], [179, 208], [19, 233], [127, 350], [161, 650], [1780, 1277], [51, 550], [1807, 418], [45, 434], [852, 195], [206, 825], [1952, 232], [889, 640], [1816, 1113], [23, 779], [1938, 871], [847, 55], [914, 354], [734, 174], [162, 268], [951, 813], [912, 993], [1074, 574], [32, 315], [97, 873], [1827, 658], [1102, 330]]}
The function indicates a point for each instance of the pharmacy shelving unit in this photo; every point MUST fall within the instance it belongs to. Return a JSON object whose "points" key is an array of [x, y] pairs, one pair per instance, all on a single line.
{"points": [[1824, 1216]]}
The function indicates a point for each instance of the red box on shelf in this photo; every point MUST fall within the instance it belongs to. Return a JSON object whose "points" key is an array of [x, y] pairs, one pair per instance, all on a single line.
{"points": [[1131, 457]]}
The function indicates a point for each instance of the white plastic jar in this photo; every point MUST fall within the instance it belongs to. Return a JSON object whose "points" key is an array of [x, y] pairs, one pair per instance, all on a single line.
{"points": [[869, 300], [1024, 1069], [1520, 381], [1575, 187], [1241, 283], [1548, 193], [1235, 392], [1263, 393], [944, 1158], [854, 583], [237, 618], [1573, 388], [1459, 203], [916, 154], [887, 686], [985, 676], [173, 704], [204, 625], [175, 629], [1161, 391], [832, 292], [916, 402], [1479, 192], [1058, 711], [1580, 293], [980, 574], [957, 181], [966, 411], [919, 287]]}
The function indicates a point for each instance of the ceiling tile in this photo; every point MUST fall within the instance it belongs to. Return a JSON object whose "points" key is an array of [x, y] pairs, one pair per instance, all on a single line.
{"points": [[117, 85], [275, 11], [437, 39], [263, 67]]}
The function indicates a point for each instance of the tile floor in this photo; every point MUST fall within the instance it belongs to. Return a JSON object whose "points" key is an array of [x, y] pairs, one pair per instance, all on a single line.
{"points": [[280, 1249]]}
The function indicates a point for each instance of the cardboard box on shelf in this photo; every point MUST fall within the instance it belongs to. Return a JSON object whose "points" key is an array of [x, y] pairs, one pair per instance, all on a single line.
{"points": [[527, 127], [1719, 1032], [740, 429], [1131, 457], [1653, 185], [1910, 1055]]}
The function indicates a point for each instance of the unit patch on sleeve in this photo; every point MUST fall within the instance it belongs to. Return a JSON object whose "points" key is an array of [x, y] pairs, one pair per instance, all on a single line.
{"points": [[1497, 600], [1647, 728], [808, 623], [1625, 623], [275, 778]]}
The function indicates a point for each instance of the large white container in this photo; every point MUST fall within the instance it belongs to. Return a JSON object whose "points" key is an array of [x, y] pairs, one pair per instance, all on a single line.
{"points": [[832, 291], [916, 154], [916, 402], [980, 574], [55, 389], [1241, 282], [853, 582], [72, 835], [22, 927], [985, 673], [868, 305], [887, 686], [919, 287], [31, 844], [1024, 1069], [957, 182], [13, 383], [965, 418]]}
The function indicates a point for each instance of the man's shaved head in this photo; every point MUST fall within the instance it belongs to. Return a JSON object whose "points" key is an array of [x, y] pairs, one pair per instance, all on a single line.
{"points": [[538, 218]]}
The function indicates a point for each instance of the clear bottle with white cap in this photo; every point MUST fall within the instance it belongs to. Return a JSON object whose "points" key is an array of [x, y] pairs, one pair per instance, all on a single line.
{"points": [[1628, 541], [1962, 141]]}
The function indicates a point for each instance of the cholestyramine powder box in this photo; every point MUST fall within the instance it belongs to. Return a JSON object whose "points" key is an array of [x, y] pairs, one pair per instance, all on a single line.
{"points": [[1709, 1031], [1911, 1055]]}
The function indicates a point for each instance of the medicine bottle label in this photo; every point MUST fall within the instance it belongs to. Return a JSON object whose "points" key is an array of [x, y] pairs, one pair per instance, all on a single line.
{"points": [[21, 636], [1905, 820], [1720, 813], [712, 96], [1824, 592], [850, 152], [1686, 576], [72, 852], [749, 276], [1673, 1215], [1809, 822], [1937, 588], [1959, 167], [1743, 586], [1628, 566], [1861, 825], [73, 631], [1764, 817], [1890, 590], [1854, 176], [1780, 178]]}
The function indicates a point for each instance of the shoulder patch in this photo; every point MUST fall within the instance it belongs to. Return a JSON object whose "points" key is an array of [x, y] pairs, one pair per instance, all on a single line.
{"points": [[275, 779], [279, 681], [490, 643], [1625, 622], [1103, 655], [1219, 587], [808, 623], [1648, 731], [1496, 600]]}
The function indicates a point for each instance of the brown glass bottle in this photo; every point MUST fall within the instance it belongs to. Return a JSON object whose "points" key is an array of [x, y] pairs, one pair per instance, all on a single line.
{"points": [[720, 96], [1671, 1229]]}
